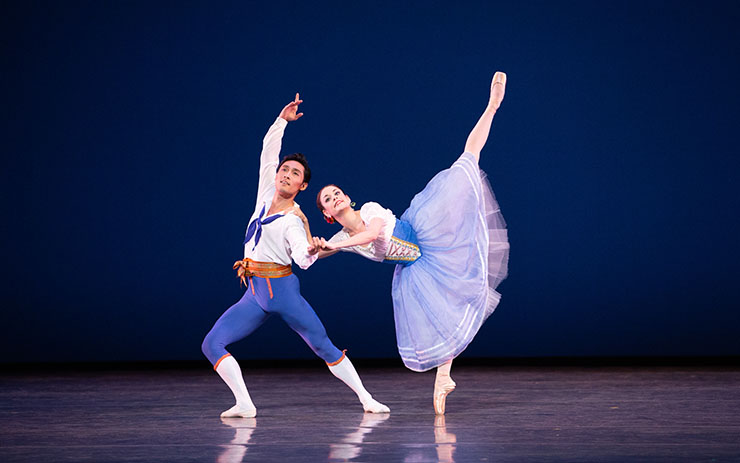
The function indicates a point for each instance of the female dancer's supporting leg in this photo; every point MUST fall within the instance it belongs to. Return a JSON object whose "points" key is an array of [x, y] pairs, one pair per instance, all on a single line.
{"points": [[443, 385]]}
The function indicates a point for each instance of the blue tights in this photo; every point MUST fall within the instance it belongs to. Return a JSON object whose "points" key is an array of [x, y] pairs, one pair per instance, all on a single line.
{"points": [[242, 318]]}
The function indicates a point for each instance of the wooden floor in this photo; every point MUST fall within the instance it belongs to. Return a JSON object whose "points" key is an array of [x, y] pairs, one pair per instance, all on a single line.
{"points": [[501, 414]]}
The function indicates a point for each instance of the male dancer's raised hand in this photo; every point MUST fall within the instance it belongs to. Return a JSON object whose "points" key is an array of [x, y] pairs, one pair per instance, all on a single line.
{"points": [[289, 111]]}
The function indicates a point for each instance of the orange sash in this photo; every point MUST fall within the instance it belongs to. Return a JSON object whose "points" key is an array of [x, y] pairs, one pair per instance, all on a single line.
{"points": [[248, 268]]}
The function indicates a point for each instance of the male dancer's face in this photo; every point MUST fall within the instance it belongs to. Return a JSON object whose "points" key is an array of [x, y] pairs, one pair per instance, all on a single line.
{"points": [[289, 179]]}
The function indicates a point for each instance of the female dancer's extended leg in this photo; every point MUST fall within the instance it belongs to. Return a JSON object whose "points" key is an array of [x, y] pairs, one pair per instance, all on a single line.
{"points": [[444, 384]]}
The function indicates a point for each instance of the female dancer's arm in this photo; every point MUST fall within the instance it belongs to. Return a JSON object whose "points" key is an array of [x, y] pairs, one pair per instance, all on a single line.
{"points": [[364, 237], [479, 134]]}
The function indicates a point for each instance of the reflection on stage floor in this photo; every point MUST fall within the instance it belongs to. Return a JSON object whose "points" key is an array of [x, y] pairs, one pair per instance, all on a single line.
{"points": [[306, 415]]}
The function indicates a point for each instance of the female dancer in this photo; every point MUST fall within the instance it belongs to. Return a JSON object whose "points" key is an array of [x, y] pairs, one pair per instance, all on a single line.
{"points": [[451, 250]]}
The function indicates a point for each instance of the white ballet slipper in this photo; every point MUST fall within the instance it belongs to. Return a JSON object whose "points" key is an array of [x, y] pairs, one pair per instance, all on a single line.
{"points": [[239, 411], [373, 406]]}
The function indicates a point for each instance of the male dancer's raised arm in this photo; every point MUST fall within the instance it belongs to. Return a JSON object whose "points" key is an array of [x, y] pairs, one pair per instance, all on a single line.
{"points": [[271, 145]]}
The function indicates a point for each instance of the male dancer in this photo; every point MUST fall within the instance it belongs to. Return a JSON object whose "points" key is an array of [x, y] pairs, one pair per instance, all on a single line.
{"points": [[274, 236]]}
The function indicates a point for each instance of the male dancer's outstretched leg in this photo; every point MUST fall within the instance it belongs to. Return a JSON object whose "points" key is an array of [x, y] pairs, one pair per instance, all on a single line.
{"points": [[303, 319], [345, 371], [236, 323]]}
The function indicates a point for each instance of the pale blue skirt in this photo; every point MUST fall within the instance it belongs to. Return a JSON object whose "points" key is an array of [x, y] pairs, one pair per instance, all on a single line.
{"points": [[441, 300]]}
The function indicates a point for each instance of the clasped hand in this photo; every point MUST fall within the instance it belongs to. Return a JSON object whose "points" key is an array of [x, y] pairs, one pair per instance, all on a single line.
{"points": [[319, 244]]}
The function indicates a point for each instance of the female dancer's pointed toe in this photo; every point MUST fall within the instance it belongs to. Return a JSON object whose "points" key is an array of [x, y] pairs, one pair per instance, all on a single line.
{"points": [[499, 78], [441, 389], [498, 89]]}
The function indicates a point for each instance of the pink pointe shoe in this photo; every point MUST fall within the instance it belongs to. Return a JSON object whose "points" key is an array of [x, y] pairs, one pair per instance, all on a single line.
{"points": [[442, 386]]}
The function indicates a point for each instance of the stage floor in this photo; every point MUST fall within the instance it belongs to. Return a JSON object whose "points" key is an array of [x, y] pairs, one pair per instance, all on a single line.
{"points": [[501, 414]]}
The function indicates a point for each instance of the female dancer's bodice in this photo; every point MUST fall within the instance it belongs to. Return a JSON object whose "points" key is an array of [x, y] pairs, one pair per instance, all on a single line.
{"points": [[396, 243]]}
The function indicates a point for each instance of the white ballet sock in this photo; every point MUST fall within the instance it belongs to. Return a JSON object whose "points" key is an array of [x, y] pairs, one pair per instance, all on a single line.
{"points": [[345, 371], [228, 369]]}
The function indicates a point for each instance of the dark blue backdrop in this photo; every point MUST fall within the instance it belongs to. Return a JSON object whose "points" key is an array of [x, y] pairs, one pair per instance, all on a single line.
{"points": [[132, 131]]}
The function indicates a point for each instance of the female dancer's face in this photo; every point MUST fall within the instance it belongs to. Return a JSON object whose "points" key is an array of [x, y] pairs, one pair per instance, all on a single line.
{"points": [[333, 200]]}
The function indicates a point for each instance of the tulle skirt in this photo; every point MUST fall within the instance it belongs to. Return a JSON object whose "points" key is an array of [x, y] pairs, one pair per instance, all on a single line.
{"points": [[441, 300]]}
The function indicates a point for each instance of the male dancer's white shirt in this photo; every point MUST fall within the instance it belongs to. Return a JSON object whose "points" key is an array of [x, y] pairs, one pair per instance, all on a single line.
{"points": [[285, 237]]}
